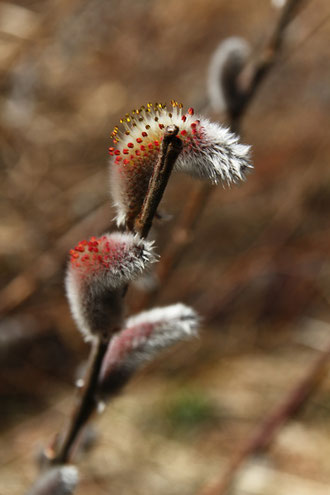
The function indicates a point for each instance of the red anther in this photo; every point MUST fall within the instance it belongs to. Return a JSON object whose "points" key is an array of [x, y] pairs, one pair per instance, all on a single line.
{"points": [[111, 149], [142, 148], [137, 152], [183, 133], [139, 140], [130, 145], [126, 162], [144, 134], [161, 126], [118, 159], [150, 146], [125, 151], [156, 143], [184, 118], [117, 152], [191, 111], [193, 124]]}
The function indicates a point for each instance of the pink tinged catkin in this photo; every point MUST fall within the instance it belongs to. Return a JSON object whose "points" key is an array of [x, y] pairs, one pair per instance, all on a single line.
{"points": [[61, 480], [143, 337], [209, 152], [97, 275]]}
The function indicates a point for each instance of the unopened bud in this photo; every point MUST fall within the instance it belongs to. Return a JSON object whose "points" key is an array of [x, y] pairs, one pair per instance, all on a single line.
{"points": [[98, 272], [143, 337]]}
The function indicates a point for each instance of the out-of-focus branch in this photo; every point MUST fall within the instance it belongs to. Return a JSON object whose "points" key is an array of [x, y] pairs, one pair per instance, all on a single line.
{"points": [[266, 432], [252, 75], [249, 81], [51, 18], [20, 288]]}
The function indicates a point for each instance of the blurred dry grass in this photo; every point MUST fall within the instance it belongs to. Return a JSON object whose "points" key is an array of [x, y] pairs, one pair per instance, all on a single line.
{"points": [[258, 269]]}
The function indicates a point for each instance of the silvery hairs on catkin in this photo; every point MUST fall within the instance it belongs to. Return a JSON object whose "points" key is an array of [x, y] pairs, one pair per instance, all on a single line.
{"points": [[142, 338]]}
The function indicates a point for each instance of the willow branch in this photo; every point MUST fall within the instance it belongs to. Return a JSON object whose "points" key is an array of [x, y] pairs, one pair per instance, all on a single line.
{"points": [[171, 147], [86, 405]]}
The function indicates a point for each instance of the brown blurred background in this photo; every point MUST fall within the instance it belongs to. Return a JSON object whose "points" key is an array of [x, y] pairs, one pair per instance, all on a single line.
{"points": [[257, 268]]}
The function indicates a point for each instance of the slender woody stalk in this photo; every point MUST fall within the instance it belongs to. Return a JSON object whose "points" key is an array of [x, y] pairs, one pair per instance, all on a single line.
{"points": [[170, 150], [87, 403]]}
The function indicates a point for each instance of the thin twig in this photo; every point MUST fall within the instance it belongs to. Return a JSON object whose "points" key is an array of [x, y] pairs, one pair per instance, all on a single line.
{"points": [[265, 433], [87, 404], [250, 78], [171, 148], [169, 152]]}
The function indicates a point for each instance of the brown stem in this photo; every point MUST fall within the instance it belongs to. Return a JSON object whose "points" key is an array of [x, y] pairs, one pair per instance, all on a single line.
{"points": [[87, 402], [169, 152], [250, 78]]}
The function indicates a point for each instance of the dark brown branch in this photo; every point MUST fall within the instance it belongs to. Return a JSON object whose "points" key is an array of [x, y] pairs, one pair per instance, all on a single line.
{"points": [[171, 148], [87, 403]]}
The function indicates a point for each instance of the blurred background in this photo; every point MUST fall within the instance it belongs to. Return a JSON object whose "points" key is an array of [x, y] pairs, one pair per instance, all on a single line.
{"points": [[257, 268]]}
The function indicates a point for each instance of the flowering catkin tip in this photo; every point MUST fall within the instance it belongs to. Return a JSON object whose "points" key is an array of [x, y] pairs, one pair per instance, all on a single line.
{"points": [[98, 271], [209, 152], [143, 337]]}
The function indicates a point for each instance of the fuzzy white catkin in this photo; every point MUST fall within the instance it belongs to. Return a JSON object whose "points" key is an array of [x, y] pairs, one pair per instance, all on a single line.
{"points": [[146, 334], [233, 50], [209, 151], [96, 277], [60, 480]]}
